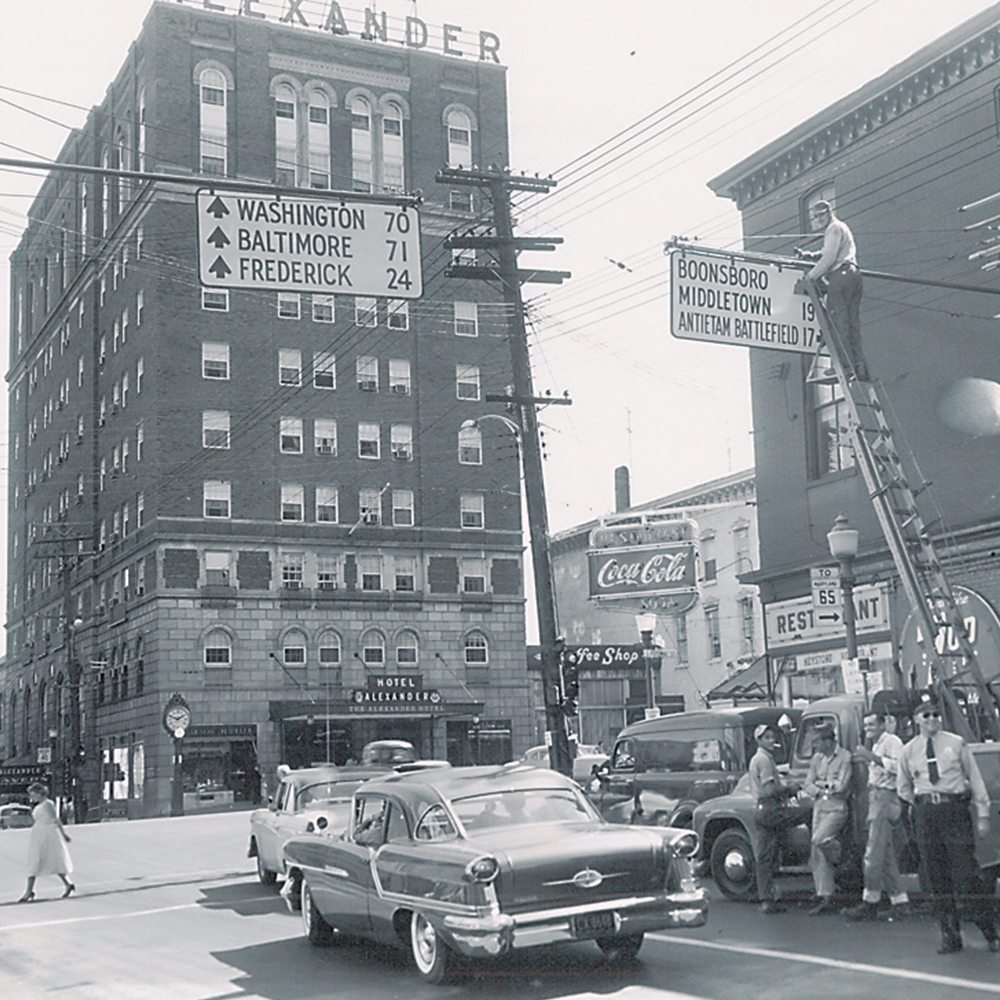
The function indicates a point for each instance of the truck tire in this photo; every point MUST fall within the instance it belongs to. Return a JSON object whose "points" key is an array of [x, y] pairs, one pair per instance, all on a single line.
{"points": [[733, 866]]}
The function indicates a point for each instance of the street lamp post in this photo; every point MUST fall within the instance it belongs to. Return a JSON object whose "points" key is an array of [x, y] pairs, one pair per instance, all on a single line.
{"points": [[646, 624], [843, 542]]}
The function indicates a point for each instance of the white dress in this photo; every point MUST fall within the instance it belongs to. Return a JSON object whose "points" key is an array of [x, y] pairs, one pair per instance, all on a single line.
{"points": [[47, 851]]}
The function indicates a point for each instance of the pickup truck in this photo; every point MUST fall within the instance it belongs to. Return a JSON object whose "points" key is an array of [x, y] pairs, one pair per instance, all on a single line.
{"points": [[727, 825], [661, 769]]}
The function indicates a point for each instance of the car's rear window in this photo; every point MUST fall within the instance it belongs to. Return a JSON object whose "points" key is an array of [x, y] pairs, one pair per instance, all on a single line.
{"points": [[702, 748], [520, 808], [327, 791]]}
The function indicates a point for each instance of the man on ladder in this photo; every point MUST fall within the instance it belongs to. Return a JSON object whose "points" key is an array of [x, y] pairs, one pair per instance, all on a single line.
{"points": [[838, 264]]}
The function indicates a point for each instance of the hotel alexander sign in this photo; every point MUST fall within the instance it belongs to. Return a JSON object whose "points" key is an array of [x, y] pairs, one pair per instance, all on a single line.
{"points": [[368, 24]]}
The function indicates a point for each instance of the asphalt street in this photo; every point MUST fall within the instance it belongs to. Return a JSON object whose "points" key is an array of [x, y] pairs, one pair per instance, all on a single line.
{"points": [[171, 908]]}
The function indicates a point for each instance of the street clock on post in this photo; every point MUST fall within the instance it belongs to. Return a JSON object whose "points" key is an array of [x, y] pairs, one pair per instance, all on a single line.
{"points": [[177, 716]]}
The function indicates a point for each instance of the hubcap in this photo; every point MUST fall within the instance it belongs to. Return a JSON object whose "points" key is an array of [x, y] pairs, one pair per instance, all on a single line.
{"points": [[425, 940], [736, 865]]}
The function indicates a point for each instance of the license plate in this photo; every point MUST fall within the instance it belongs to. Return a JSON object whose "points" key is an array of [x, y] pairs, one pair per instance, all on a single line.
{"points": [[586, 925]]}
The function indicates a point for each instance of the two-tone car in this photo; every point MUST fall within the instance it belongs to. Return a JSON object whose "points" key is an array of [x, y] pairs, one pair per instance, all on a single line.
{"points": [[311, 798], [475, 862]]}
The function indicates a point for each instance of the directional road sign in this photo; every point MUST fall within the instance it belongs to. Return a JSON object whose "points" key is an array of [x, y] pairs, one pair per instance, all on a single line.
{"points": [[826, 592], [790, 623], [308, 244], [735, 300]]}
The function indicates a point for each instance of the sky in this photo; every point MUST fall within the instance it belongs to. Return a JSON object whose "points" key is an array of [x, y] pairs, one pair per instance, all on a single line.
{"points": [[632, 107]]}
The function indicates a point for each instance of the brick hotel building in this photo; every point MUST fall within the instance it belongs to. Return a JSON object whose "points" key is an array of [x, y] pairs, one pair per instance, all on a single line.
{"points": [[262, 501]]}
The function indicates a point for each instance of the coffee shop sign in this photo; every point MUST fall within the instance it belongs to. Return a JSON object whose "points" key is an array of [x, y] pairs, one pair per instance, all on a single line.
{"points": [[369, 25]]}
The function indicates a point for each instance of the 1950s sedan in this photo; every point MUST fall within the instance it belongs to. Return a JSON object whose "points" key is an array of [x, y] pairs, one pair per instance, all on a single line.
{"points": [[475, 862]]}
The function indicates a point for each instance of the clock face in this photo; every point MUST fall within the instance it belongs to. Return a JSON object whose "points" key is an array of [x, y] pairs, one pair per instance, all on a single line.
{"points": [[178, 718]]}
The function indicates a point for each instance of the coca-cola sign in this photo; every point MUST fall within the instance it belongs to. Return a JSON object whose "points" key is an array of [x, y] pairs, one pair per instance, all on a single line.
{"points": [[644, 571]]}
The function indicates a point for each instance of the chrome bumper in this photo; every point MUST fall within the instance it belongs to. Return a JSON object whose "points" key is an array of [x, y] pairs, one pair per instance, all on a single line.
{"points": [[497, 933]]}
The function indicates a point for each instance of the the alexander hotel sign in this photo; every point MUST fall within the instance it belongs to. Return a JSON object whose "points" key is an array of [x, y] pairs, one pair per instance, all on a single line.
{"points": [[368, 24], [646, 559]]}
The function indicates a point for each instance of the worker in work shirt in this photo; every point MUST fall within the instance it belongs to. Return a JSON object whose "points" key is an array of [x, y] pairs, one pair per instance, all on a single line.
{"points": [[939, 775], [837, 263], [827, 784]]}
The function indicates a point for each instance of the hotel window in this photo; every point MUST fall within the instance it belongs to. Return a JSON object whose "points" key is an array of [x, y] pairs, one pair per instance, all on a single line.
{"points": [[292, 570], [293, 502], [367, 372], [398, 316], [399, 376], [407, 648], [466, 319], [218, 655], [213, 122], [325, 436], [329, 648], [286, 140], [405, 573], [215, 299], [326, 504], [289, 305], [365, 311], [373, 648], [402, 508], [215, 429], [369, 441], [327, 572], [392, 148], [289, 366], [401, 442], [139, 304], [370, 507], [713, 632], [217, 569], [473, 576], [293, 655], [216, 498], [323, 308], [319, 140], [140, 369], [140, 440], [831, 428], [472, 515], [459, 139], [477, 649], [361, 144], [215, 361], [324, 371], [467, 381], [370, 571], [291, 435]]}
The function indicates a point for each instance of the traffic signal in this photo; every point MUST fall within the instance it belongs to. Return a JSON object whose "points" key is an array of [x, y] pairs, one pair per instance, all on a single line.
{"points": [[569, 669]]}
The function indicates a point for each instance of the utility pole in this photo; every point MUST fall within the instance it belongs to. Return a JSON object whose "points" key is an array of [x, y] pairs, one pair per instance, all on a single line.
{"points": [[505, 247]]}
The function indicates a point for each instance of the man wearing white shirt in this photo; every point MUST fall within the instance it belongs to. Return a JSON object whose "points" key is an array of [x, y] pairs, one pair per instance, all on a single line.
{"points": [[880, 752]]}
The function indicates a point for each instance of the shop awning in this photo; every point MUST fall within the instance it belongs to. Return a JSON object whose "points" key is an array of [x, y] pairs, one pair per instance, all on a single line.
{"points": [[748, 684]]}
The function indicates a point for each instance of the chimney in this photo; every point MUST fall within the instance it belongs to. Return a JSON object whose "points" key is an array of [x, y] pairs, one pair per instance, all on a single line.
{"points": [[623, 492]]}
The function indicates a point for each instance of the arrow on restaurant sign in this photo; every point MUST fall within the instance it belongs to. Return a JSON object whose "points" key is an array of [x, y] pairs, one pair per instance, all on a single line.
{"points": [[217, 208], [218, 239], [220, 268], [829, 618]]}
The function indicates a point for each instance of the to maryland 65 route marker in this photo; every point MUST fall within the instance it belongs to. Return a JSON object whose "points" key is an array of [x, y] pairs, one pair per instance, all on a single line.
{"points": [[306, 244]]}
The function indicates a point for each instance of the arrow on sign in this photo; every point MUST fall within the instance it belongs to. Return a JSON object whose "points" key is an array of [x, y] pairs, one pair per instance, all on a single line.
{"points": [[220, 268], [217, 208], [218, 239], [823, 618]]}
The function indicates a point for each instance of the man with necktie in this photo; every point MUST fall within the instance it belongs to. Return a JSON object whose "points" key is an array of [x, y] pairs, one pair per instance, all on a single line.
{"points": [[940, 777]]}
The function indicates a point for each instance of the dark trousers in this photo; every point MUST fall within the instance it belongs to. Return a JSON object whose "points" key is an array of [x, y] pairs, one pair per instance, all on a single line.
{"points": [[948, 864], [766, 860], [843, 301]]}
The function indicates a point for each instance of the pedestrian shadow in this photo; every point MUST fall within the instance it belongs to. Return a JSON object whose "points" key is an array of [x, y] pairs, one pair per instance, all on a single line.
{"points": [[354, 964], [247, 899]]}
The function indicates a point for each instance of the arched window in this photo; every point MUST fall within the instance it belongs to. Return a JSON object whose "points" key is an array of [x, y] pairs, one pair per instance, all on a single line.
{"points": [[459, 139], [212, 86], [329, 649], [319, 139], [373, 648], [286, 140], [392, 148], [407, 649], [470, 445], [477, 650], [140, 666], [218, 654], [361, 144]]}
